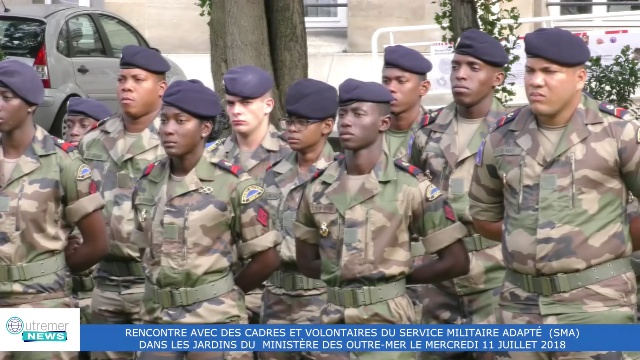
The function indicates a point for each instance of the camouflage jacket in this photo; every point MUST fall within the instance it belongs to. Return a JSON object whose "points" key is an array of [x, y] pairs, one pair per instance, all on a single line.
{"points": [[49, 190], [565, 214], [116, 174], [364, 237], [436, 152], [272, 148], [189, 229], [283, 189], [404, 151]]}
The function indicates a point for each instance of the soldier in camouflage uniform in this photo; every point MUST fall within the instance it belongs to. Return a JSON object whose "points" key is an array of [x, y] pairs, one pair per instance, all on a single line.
{"points": [[82, 115], [357, 217], [445, 147], [555, 176], [191, 210], [118, 151], [45, 190], [404, 74], [254, 144], [290, 297]]}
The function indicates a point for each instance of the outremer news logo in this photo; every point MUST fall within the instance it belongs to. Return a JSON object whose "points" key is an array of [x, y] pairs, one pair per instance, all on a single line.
{"points": [[35, 331]]}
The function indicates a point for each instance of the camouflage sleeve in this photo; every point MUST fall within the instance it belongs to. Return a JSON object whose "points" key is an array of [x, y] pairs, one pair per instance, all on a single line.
{"points": [[433, 218], [486, 197], [628, 145], [81, 195], [417, 147], [252, 220], [304, 228]]}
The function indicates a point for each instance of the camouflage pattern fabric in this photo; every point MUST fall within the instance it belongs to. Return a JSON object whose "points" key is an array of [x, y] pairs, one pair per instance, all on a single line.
{"points": [[36, 222], [272, 148], [562, 215], [283, 189], [471, 298], [364, 237], [119, 279], [403, 145], [189, 229]]}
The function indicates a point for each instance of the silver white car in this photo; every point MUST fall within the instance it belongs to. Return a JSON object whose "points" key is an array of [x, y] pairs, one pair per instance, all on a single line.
{"points": [[76, 51]]}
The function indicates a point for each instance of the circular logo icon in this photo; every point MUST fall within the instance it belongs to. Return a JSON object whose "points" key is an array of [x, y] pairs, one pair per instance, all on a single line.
{"points": [[15, 325]]}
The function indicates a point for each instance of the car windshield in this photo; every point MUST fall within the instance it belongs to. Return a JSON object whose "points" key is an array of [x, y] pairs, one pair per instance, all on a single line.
{"points": [[21, 37]]}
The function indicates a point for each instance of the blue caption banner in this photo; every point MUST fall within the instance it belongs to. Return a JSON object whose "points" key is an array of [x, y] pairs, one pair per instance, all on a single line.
{"points": [[360, 338]]}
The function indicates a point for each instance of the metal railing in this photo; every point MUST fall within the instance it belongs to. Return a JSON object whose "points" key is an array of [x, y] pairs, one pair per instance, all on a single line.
{"points": [[546, 20]]}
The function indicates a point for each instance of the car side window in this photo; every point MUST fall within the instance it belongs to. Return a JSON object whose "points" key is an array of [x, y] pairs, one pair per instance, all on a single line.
{"points": [[62, 44], [85, 40], [120, 34]]}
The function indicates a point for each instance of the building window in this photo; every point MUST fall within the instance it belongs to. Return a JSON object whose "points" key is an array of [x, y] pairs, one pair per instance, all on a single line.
{"points": [[325, 17], [595, 7]]}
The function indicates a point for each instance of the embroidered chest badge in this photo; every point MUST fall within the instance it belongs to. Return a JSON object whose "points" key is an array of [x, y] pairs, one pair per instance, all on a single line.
{"points": [[83, 172], [251, 193], [324, 230]]}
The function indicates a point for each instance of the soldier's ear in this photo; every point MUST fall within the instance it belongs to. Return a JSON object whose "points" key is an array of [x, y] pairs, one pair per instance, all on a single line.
{"points": [[327, 126], [385, 123]]}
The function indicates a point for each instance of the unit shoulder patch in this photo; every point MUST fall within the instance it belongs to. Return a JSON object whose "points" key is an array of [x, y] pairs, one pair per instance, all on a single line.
{"points": [[83, 173], [611, 109], [432, 192], [251, 193], [430, 117]]}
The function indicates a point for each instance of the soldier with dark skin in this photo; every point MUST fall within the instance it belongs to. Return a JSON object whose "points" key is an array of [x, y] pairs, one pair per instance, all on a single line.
{"points": [[404, 74], [83, 115], [445, 148], [36, 170], [118, 150], [290, 297], [191, 211], [357, 217]]}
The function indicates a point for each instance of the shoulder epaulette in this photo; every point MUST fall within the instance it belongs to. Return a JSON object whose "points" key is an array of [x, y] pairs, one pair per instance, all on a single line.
{"points": [[214, 144], [610, 109], [506, 119], [234, 169], [318, 173], [338, 156], [103, 121], [65, 146], [430, 117], [148, 169], [403, 165], [275, 163]]}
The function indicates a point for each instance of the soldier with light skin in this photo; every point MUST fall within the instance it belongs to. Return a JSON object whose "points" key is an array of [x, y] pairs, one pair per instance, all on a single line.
{"points": [[564, 232], [36, 170], [357, 217]]}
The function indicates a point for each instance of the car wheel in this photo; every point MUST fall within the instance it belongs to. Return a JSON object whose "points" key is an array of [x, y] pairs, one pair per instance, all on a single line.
{"points": [[59, 127]]}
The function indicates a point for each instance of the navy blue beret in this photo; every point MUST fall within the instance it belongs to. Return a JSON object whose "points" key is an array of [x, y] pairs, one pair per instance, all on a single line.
{"points": [[482, 46], [352, 90], [90, 108], [138, 57], [247, 82], [22, 80], [406, 59], [192, 97], [312, 99], [556, 45]]}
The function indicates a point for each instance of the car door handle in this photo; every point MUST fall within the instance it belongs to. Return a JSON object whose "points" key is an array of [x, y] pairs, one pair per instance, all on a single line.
{"points": [[83, 69]]}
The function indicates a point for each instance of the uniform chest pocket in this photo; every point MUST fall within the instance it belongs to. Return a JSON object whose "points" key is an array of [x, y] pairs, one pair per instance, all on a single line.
{"points": [[144, 210], [511, 165], [330, 225], [435, 163], [558, 184], [172, 228], [99, 164]]}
